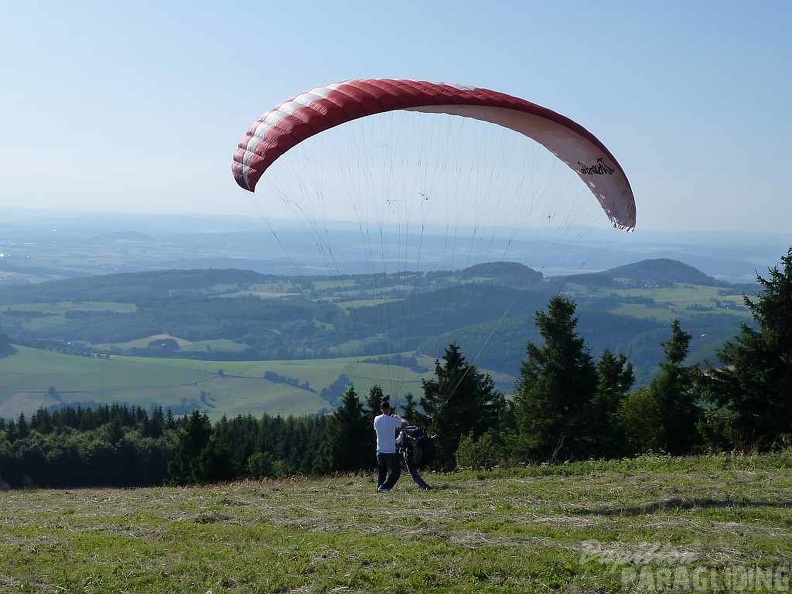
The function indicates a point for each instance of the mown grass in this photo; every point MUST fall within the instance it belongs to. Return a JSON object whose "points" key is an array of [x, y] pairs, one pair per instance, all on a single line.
{"points": [[566, 528]]}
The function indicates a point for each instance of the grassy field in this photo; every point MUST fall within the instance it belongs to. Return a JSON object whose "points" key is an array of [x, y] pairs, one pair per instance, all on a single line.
{"points": [[702, 524], [26, 376], [63, 307], [676, 302], [265, 290], [202, 346]]}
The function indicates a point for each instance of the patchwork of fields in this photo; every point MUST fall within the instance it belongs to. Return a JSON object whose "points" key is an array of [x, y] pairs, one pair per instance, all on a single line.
{"points": [[229, 387], [32, 378]]}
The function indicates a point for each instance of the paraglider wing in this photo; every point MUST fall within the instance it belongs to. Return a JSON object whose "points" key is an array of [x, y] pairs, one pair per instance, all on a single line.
{"points": [[322, 108]]}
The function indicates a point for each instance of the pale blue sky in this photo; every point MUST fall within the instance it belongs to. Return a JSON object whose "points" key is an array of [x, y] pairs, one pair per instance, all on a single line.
{"points": [[138, 106]]}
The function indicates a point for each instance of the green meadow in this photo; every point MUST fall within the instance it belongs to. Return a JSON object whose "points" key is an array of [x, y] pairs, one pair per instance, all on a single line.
{"points": [[62, 307], [677, 302], [235, 387], [705, 524]]}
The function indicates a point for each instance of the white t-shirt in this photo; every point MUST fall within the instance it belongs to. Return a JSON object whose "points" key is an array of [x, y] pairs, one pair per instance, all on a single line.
{"points": [[386, 428]]}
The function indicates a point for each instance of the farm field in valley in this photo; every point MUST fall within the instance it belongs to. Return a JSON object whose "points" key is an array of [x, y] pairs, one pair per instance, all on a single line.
{"points": [[234, 387]]}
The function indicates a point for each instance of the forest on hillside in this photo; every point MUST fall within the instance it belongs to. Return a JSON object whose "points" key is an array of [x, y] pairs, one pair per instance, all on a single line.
{"points": [[488, 309], [568, 405]]}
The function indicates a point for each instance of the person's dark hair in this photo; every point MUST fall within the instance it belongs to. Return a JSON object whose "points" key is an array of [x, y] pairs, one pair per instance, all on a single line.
{"points": [[386, 405]]}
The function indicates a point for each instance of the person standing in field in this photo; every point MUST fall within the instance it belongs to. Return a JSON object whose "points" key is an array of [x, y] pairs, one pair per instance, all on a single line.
{"points": [[386, 426]]}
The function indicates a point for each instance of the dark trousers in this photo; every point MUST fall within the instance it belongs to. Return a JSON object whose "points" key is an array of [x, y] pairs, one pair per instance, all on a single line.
{"points": [[388, 466]]}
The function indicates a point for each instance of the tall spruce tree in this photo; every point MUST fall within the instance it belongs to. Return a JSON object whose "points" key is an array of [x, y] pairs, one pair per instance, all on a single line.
{"points": [[459, 400], [410, 409], [215, 462], [615, 378], [675, 391], [373, 402], [664, 415], [192, 439], [754, 387], [555, 392], [349, 433]]}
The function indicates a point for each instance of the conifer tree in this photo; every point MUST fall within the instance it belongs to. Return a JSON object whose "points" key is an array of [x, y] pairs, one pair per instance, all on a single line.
{"points": [[459, 400], [555, 392], [373, 402], [214, 462], [615, 378], [753, 388], [410, 409], [675, 392], [664, 416], [193, 438], [22, 426], [348, 433]]}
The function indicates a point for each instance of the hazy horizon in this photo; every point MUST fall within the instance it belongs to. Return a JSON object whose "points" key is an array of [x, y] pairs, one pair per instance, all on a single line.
{"points": [[95, 243]]}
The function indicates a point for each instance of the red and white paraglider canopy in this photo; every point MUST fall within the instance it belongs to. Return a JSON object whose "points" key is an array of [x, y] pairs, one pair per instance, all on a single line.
{"points": [[324, 107]]}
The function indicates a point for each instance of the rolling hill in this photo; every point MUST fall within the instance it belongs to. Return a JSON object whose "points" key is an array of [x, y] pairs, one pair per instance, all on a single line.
{"points": [[648, 273], [220, 318]]}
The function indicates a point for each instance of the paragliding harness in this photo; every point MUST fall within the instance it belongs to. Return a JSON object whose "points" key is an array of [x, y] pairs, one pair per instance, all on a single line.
{"points": [[416, 449]]}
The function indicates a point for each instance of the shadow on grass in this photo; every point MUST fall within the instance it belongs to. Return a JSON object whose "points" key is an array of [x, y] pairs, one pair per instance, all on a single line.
{"points": [[677, 503]]}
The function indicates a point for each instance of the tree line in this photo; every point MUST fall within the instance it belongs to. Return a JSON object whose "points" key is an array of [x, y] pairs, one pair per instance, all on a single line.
{"points": [[567, 405]]}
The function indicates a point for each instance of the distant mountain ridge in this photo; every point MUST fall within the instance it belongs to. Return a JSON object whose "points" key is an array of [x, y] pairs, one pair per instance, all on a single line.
{"points": [[116, 287], [506, 273], [159, 283], [656, 271], [664, 270]]}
